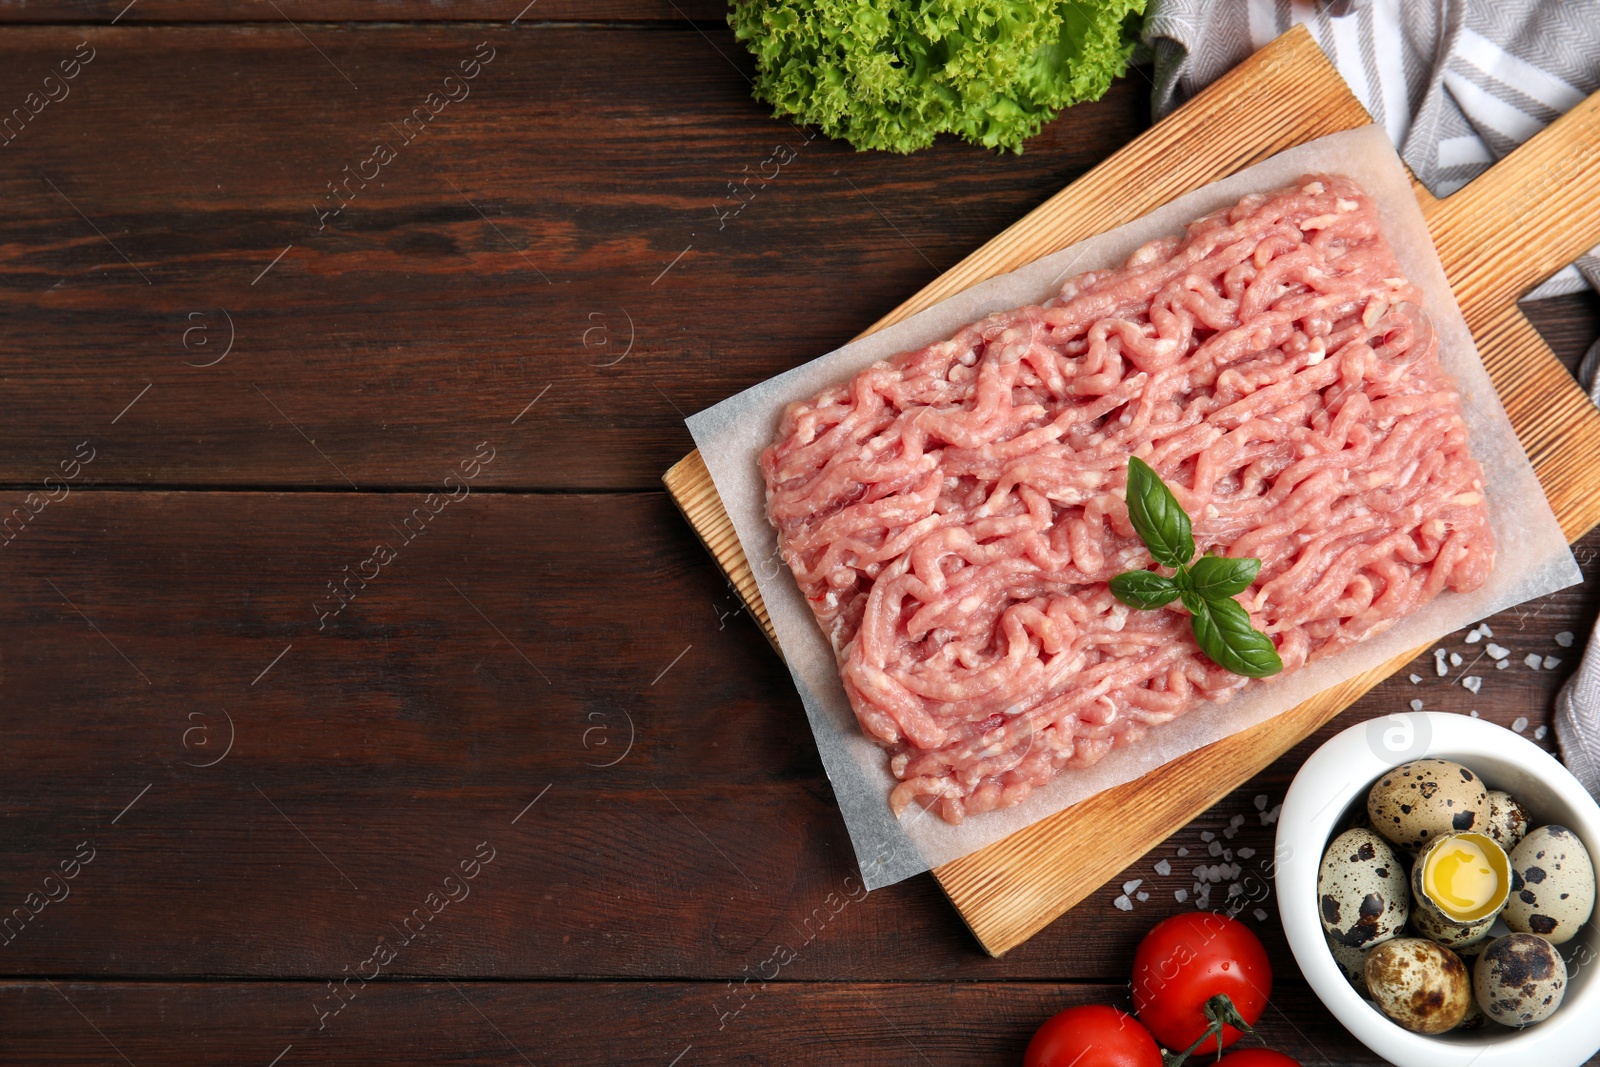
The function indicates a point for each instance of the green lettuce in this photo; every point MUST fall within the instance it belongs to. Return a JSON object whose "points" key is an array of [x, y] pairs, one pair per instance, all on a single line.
{"points": [[891, 74]]}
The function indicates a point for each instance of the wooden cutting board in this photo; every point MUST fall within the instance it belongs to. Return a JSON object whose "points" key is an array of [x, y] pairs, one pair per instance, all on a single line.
{"points": [[1531, 214]]}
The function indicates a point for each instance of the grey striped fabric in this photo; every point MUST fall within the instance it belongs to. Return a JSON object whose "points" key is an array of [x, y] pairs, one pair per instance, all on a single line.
{"points": [[1457, 86]]}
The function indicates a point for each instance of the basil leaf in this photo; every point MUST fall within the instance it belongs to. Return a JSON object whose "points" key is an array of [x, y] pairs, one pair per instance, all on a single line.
{"points": [[1215, 577], [1144, 589], [1157, 517], [1225, 635]]}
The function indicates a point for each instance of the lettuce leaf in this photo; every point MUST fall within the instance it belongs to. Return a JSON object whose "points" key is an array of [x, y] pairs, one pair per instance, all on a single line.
{"points": [[892, 74]]}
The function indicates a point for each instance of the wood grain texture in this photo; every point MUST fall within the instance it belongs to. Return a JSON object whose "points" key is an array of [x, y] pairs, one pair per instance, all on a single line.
{"points": [[1010, 890], [123, 13], [519, 244], [960, 1024]]}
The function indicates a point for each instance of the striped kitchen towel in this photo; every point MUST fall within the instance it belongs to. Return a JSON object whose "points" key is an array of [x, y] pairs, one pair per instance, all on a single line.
{"points": [[1457, 85]]}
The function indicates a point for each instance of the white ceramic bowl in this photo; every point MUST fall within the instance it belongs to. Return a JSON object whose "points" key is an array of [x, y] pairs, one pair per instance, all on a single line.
{"points": [[1334, 780]]}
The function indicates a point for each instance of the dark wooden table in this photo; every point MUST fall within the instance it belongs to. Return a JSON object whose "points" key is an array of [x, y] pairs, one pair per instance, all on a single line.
{"points": [[522, 785]]}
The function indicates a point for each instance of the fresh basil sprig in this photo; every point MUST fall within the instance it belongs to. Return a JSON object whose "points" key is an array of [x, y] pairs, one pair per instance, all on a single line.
{"points": [[1207, 586]]}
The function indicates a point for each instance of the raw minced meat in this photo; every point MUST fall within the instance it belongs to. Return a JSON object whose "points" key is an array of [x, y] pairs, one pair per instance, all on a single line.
{"points": [[953, 515]]}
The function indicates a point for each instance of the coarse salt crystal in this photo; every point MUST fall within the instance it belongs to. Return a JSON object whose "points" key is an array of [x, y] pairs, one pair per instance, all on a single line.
{"points": [[1473, 637], [1208, 836], [1235, 890], [1439, 667], [1261, 915], [1129, 887], [1180, 895], [1455, 659], [1416, 705], [1496, 651], [1123, 904], [1415, 678], [1520, 725], [1182, 852], [1143, 896], [1551, 662], [1473, 713], [1533, 660], [1538, 734], [1564, 638], [1216, 848], [1246, 853], [1261, 802], [1472, 683], [1483, 628], [1163, 867], [1502, 665], [1270, 817]]}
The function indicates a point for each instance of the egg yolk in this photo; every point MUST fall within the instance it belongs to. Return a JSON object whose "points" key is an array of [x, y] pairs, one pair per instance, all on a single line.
{"points": [[1463, 879]]}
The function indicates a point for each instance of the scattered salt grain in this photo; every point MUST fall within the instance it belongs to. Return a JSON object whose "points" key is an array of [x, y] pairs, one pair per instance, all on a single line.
{"points": [[1520, 725], [1216, 848], [1123, 904], [1237, 820], [1416, 705], [1415, 678], [1235, 890], [1246, 853], [1533, 660], [1552, 662], [1208, 836], [1502, 665], [1564, 638], [1261, 916], [1143, 896], [1439, 667], [1270, 817], [1261, 802], [1483, 628], [1227, 854], [1129, 887], [1229, 831], [1538, 735], [1473, 713], [1473, 638], [1455, 659], [1496, 651], [1180, 895], [1472, 683], [1182, 852], [1163, 867]]}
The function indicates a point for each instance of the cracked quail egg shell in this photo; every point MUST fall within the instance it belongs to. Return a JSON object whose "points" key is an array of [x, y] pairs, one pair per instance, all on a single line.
{"points": [[1423, 800], [1362, 894], [1508, 819], [1552, 885], [1519, 979]]}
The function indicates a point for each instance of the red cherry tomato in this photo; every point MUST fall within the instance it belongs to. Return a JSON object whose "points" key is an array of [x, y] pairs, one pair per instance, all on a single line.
{"points": [[1093, 1035], [1256, 1057], [1187, 971]]}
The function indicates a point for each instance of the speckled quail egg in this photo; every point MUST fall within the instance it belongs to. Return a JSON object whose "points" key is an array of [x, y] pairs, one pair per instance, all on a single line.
{"points": [[1475, 1019], [1361, 890], [1459, 884], [1420, 985], [1519, 979], [1508, 819], [1352, 964], [1552, 885], [1425, 799]]}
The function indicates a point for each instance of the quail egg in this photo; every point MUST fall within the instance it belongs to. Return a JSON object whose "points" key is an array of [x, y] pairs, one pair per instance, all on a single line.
{"points": [[1361, 890], [1520, 979], [1426, 799], [1420, 985], [1508, 819], [1352, 964], [1552, 885], [1458, 886]]}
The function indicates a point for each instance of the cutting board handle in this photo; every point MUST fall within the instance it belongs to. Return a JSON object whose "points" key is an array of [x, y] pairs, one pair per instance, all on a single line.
{"points": [[1527, 216]]}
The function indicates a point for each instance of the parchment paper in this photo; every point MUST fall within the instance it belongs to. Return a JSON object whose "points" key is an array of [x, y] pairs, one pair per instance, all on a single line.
{"points": [[1533, 556]]}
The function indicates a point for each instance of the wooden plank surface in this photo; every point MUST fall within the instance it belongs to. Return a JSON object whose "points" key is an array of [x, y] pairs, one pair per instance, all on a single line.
{"points": [[645, 1023], [1009, 890], [522, 12], [410, 728], [515, 246]]}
